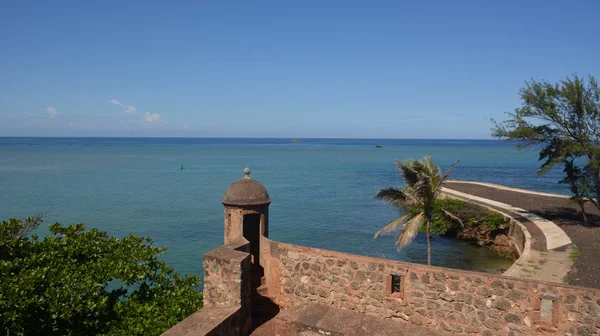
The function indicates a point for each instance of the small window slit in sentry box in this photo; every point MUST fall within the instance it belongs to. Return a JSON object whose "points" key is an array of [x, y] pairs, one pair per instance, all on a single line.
{"points": [[396, 283]]}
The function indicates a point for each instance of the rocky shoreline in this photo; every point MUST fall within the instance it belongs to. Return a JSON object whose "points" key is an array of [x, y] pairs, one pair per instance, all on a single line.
{"points": [[495, 240], [481, 226]]}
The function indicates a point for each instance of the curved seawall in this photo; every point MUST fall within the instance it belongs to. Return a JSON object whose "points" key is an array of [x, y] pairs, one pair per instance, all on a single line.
{"points": [[543, 246]]}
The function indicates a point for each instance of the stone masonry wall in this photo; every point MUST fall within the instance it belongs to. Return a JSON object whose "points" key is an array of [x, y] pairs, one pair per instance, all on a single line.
{"points": [[453, 300], [227, 293], [226, 278]]}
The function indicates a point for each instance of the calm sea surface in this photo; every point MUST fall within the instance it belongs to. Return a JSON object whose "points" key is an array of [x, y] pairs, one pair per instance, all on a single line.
{"points": [[321, 189]]}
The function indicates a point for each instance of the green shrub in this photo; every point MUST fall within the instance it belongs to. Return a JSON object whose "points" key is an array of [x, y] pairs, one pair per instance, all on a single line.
{"points": [[470, 214], [85, 282]]}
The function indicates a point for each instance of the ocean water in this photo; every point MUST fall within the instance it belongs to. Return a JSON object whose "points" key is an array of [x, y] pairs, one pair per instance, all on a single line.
{"points": [[321, 189]]}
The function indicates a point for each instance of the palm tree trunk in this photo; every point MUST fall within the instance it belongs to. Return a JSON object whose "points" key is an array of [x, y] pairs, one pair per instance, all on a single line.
{"points": [[428, 242]]}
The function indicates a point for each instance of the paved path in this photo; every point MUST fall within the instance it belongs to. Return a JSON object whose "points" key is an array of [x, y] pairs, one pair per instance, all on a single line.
{"points": [[547, 256]]}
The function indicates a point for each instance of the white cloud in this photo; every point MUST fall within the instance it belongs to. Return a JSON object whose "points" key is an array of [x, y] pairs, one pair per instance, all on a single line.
{"points": [[127, 108], [51, 112], [153, 118], [130, 109], [116, 102]]}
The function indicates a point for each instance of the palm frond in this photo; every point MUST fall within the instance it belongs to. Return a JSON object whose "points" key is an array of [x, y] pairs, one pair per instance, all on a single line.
{"points": [[441, 181], [392, 226], [453, 217], [411, 196], [392, 195], [409, 170], [411, 229], [423, 187]]}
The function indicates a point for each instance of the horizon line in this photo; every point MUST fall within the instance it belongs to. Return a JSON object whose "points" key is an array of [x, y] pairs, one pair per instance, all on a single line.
{"points": [[234, 137]]}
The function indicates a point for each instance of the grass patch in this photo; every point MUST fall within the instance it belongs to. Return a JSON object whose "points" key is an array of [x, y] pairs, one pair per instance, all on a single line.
{"points": [[542, 261], [575, 254], [566, 280], [526, 270]]}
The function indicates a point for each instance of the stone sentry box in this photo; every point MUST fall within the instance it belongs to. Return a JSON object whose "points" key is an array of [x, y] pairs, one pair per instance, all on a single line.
{"points": [[246, 209]]}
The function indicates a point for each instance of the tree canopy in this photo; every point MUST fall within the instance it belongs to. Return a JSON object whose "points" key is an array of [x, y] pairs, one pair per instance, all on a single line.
{"points": [[85, 282], [563, 120]]}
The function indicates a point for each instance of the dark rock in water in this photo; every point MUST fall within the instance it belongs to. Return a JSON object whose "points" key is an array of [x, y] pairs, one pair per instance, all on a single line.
{"points": [[377, 146]]}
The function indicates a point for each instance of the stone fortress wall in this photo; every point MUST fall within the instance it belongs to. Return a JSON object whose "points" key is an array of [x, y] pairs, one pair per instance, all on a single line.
{"points": [[459, 301], [448, 300]]}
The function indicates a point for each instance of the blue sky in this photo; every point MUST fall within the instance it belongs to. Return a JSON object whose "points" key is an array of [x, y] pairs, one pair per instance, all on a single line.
{"points": [[384, 69]]}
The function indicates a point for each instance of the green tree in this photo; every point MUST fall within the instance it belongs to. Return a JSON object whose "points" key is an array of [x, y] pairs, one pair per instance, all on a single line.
{"points": [[423, 184], [563, 119], [84, 282]]}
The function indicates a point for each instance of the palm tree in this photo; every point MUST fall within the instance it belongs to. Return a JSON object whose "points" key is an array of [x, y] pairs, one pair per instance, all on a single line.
{"points": [[423, 184]]}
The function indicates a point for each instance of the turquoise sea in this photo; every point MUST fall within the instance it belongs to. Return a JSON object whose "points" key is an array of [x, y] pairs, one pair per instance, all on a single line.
{"points": [[321, 189]]}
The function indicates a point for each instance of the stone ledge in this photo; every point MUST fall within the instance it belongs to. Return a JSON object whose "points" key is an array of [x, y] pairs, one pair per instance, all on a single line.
{"points": [[206, 321], [240, 244], [224, 253]]}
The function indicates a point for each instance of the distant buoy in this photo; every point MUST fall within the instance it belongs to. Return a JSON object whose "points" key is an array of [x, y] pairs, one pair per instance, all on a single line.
{"points": [[181, 166]]}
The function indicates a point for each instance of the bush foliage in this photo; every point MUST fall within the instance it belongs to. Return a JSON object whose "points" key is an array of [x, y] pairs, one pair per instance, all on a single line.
{"points": [[469, 214], [85, 282]]}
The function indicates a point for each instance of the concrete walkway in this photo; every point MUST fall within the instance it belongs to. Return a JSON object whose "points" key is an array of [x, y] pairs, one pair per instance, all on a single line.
{"points": [[547, 262]]}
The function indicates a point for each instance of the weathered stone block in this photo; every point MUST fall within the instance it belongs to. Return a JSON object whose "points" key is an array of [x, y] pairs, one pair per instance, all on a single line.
{"points": [[444, 326], [471, 329], [585, 330], [447, 297], [433, 305], [469, 299], [512, 318], [515, 295], [502, 304], [485, 292], [497, 284], [457, 328], [454, 286], [492, 324]]}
